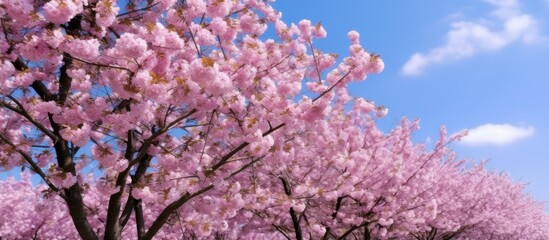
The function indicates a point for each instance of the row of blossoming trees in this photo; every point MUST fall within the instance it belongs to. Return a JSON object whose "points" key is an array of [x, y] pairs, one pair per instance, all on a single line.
{"points": [[187, 119]]}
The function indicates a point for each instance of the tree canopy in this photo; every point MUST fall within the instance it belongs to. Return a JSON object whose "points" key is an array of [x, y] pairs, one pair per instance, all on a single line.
{"points": [[214, 119]]}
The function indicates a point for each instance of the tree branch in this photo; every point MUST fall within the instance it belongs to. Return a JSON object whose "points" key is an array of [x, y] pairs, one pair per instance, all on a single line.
{"points": [[338, 206], [332, 87], [295, 219], [37, 85], [139, 220], [137, 10], [29, 160], [64, 80], [23, 112], [282, 231], [74, 198], [367, 235], [165, 214], [352, 229], [247, 165], [145, 147], [73, 195], [297, 227], [225, 158], [316, 61], [131, 202], [113, 228], [99, 65]]}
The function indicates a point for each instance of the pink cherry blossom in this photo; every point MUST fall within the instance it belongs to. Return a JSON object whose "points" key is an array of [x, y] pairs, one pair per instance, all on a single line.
{"points": [[191, 120], [106, 11], [130, 45], [62, 11], [84, 49]]}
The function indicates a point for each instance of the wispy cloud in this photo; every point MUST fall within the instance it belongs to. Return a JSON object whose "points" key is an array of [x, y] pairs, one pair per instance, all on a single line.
{"points": [[497, 134], [466, 38]]}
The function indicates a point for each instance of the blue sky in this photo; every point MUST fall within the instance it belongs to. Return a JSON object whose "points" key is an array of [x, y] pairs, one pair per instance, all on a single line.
{"points": [[470, 64]]}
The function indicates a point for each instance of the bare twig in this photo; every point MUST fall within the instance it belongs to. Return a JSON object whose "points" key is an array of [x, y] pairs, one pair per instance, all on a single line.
{"points": [[194, 40], [332, 87], [29, 160], [23, 112], [225, 158], [138, 10], [316, 61], [149, 141], [221, 47], [100, 65]]}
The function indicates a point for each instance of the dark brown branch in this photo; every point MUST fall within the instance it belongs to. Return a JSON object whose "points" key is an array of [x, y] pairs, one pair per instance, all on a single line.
{"points": [[77, 211], [42, 91], [287, 188], [29, 160], [64, 80], [247, 165], [457, 233], [194, 40], [351, 230], [137, 10], [73, 194], [270, 67], [131, 202], [113, 228], [207, 134], [165, 214], [367, 235], [100, 65], [38, 86], [145, 147], [281, 231], [221, 47], [433, 233], [293, 214], [10, 107], [297, 227], [23, 112], [114, 32], [139, 219], [424, 163], [225, 158], [338, 206], [328, 234], [6, 36], [332, 87], [128, 208], [64, 158], [35, 235]]}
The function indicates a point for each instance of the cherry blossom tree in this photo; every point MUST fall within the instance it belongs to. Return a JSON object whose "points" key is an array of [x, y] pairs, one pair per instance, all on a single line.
{"points": [[190, 119]]}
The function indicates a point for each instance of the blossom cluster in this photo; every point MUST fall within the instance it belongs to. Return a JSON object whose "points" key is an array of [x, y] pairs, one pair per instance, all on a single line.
{"points": [[189, 119]]}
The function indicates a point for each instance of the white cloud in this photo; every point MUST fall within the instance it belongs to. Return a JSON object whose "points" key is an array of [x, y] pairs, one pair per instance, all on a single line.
{"points": [[466, 38], [497, 134]]}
